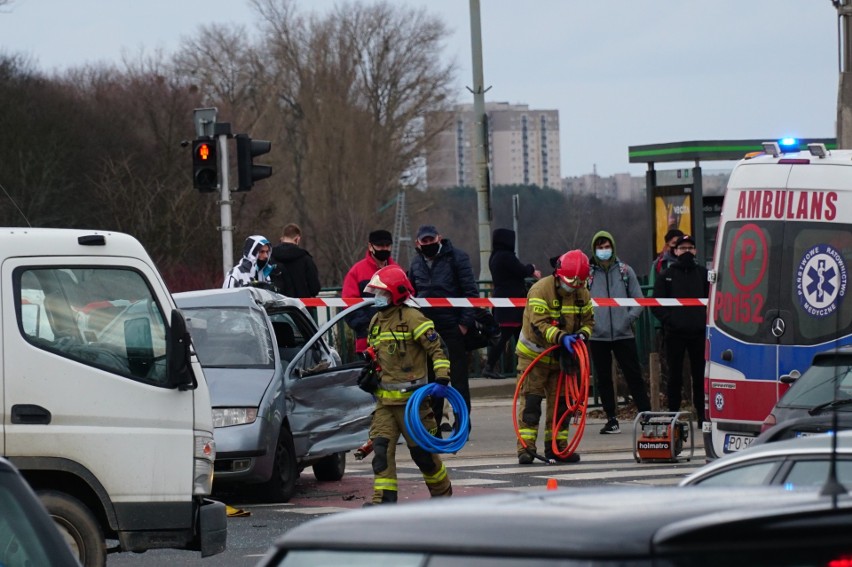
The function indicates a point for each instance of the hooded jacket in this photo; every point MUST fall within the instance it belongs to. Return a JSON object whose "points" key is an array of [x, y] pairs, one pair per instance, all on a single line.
{"points": [[508, 274], [684, 278], [296, 273], [613, 278], [354, 282], [448, 274], [247, 270]]}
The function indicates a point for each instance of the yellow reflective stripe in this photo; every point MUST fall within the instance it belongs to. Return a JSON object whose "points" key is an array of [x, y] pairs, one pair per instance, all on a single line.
{"points": [[537, 301], [549, 334], [395, 336], [437, 477], [537, 305], [526, 351], [571, 309], [586, 330], [422, 328], [392, 395], [528, 434], [385, 484], [440, 363]]}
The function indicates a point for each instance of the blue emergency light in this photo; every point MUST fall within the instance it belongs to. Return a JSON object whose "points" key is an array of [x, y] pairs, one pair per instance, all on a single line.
{"points": [[789, 144]]}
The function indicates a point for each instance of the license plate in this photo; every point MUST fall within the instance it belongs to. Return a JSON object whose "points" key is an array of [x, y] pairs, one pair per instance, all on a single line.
{"points": [[734, 443]]}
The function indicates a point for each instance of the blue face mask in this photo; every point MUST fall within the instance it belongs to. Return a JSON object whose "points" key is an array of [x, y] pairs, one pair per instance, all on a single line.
{"points": [[603, 254], [566, 288], [382, 301]]}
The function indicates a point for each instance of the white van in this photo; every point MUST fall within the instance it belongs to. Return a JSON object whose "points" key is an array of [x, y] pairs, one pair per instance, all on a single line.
{"points": [[781, 268], [104, 410]]}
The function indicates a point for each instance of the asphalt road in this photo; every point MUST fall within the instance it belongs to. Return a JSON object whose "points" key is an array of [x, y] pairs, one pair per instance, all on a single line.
{"points": [[487, 464]]}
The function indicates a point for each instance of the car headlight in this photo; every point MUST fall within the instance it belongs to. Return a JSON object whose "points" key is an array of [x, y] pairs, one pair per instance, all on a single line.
{"points": [[226, 417]]}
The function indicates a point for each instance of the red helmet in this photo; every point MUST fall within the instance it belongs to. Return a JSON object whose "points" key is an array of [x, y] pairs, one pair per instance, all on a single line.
{"points": [[393, 280], [572, 269]]}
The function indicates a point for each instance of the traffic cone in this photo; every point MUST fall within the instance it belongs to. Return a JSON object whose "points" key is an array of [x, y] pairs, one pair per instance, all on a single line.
{"points": [[551, 484]]}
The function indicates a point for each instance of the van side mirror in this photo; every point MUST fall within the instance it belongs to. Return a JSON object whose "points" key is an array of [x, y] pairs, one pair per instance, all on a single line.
{"points": [[177, 353]]}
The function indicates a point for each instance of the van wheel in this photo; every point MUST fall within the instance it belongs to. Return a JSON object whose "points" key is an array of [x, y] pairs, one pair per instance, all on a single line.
{"points": [[330, 468], [78, 526], [282, 485]]}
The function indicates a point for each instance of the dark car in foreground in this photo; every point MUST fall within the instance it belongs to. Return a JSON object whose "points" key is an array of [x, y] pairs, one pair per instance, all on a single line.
{"points": [[795, 464], [824, 387], [282, 399], [28, 536], [599, 527]]}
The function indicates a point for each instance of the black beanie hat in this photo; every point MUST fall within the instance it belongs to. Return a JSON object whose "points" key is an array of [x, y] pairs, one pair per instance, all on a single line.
{"points": [[381, 238]]}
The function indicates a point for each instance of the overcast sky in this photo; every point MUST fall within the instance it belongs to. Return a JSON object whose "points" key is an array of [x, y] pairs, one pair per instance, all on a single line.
{"points": [[620, 72]]}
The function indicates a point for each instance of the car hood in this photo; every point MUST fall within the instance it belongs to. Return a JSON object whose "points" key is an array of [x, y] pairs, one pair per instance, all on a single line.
{"points": [[237, 387]]}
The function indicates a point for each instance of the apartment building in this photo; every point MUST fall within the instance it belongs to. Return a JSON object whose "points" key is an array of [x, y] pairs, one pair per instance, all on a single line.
{"points": [[523, 146]]}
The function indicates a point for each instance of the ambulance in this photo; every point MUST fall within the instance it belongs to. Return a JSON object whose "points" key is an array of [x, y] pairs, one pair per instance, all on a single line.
{"points": [[779, 283]]}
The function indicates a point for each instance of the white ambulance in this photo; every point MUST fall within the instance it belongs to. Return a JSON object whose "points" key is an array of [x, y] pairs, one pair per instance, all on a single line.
{"points": [[781, 269], [104, 410]]}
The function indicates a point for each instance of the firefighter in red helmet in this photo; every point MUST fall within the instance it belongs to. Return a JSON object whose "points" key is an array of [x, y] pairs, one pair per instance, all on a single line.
{"points": [[403, 340], [558, 312]]}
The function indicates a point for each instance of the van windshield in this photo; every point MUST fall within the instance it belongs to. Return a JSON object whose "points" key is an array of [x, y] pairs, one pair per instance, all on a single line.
{"points": [[796, 272]]}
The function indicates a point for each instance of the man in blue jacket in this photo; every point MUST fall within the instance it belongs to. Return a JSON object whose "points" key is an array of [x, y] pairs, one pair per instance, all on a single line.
{"points": [[440, 270], [613, 332]]}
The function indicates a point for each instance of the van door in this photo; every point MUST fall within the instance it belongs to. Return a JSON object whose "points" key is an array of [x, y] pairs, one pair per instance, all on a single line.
{"points": [[87, 384]]}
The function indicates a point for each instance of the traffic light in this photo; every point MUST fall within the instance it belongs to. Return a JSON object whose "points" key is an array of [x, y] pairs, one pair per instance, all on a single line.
{"points": [[205, 165], [247, 171]]}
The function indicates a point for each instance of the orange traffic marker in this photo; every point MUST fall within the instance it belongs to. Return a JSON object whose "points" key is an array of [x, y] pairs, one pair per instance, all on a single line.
{"points": [[551, 484]]}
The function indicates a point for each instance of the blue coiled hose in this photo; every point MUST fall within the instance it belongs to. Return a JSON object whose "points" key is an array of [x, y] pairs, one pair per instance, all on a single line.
{"points": [[425, 439]]}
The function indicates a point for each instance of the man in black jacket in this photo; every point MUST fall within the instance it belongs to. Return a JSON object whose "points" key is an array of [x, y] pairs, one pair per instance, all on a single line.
{"points": [[295, 274], [684, 327], [439, 270], [509, 275]]}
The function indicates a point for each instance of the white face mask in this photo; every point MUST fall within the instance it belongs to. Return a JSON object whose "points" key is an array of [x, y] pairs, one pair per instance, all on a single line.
{"points": [[603, 254], [382, 301], [566, 288]]}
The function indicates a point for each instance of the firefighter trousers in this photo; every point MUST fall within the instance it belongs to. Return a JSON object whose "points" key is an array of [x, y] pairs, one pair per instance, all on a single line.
{"points": [[540, 384], [387, 425]]}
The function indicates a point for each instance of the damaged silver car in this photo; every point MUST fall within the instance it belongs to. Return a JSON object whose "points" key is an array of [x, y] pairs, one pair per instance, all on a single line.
{"points": [[282, 398]]}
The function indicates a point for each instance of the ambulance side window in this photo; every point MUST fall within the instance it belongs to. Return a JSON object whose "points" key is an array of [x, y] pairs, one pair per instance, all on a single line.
{"points": [[104, 317]]}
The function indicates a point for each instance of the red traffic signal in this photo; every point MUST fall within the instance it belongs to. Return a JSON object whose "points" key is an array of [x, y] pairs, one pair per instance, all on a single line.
{"points": [[205, 165]]}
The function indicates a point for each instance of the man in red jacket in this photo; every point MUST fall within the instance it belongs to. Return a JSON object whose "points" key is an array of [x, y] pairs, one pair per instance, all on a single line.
{"points": [[377, 256]]}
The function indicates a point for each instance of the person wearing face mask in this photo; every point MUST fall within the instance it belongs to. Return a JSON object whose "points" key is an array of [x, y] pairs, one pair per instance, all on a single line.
{"points": [[406, 344], [558, 312], [613, 332], [684, 327], [254, 267], [441, 270], [378, 256]]}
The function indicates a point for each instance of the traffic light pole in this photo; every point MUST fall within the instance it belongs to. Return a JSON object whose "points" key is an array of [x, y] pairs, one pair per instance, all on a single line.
{"points": [[226, 228]]}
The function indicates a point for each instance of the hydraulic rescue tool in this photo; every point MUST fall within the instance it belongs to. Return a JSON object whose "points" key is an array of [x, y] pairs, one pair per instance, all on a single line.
{"points": [[660, 436]]}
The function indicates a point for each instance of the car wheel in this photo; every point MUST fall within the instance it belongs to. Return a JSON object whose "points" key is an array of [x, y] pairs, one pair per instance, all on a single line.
{"points": [[282, 485], [78, 526], [331, 468]]}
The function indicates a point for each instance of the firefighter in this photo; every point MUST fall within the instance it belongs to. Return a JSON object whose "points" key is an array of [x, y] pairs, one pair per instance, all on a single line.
{"points": [[403, 340], [558, 312]]}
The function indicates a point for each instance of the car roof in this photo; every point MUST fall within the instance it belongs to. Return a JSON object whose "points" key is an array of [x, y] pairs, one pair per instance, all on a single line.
{"points": [[234, 297], [811, 445], [583, 522], [826, 355]]}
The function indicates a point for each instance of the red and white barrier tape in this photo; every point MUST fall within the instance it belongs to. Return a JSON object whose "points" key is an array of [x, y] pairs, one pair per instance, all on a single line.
{"points": [[513, 302]]}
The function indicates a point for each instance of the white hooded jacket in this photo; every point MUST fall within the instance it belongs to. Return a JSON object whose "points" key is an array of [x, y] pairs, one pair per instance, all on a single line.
{"points": [[247, 271]]}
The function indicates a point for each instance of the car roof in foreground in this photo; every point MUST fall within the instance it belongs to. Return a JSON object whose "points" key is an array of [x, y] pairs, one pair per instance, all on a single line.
{"points": [[586, 522], [811, 445]]}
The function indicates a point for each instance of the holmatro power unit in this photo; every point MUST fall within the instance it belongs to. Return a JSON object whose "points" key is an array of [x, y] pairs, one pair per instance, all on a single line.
{"points": [[660, 436]]}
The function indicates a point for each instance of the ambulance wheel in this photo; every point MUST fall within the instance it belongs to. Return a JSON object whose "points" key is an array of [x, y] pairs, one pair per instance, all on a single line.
{"points": [[331, 468], [77, 526], [282, 485]]}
